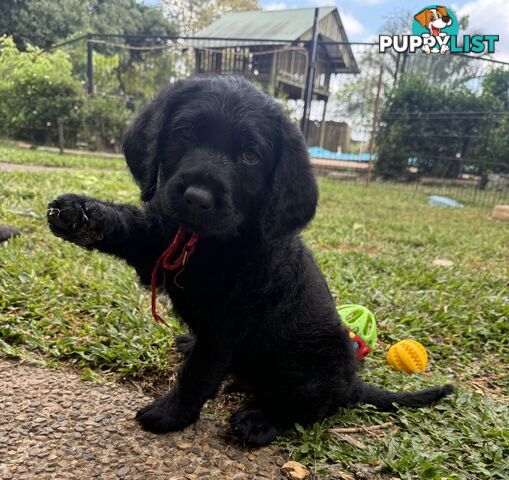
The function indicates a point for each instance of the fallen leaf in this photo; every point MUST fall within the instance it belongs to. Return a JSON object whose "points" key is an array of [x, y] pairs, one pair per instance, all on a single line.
{"points": [[438, 262], [295, 470], [344, 475], [353, 441]]}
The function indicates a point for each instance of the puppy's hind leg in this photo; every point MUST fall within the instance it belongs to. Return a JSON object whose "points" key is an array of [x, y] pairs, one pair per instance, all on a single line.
{"points": [[255, 427], [260, 426]]}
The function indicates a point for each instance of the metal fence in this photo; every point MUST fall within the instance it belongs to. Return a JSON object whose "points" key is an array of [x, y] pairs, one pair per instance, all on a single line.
{"points": [[350, 115]]}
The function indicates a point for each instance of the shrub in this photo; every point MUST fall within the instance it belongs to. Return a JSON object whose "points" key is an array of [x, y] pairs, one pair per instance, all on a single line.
{"points": [[37, 90], [104, 121], [439, 130]]}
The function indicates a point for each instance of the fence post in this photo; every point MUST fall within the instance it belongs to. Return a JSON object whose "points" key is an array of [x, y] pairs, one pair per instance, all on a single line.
{"points": [[376, 109], [310, 77], [61, 141], [323, 126], [90, 65]]}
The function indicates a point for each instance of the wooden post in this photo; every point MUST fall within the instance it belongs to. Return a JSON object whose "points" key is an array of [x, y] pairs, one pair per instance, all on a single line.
{"points": [[90, 65], [310, 78], [61, 142], [376, 109], [323, 126], [273, 74]]}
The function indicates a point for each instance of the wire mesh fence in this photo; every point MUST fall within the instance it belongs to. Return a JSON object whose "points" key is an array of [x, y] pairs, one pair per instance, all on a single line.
{"points": [[415, 122]]}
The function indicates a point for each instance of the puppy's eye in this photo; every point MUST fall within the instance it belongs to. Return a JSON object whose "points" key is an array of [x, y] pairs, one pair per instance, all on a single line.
{"points": [[250, 157]]}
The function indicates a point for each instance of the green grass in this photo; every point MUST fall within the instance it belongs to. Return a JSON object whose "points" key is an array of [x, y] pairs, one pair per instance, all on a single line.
{"points": [[11, 154], [375, 246]]}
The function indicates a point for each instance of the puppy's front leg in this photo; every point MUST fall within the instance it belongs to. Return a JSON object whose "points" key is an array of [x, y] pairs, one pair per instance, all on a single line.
{"points": [[91, 223], [197, 381]]}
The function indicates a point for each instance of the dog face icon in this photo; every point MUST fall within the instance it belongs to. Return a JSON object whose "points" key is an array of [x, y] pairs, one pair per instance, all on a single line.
{"points": [[434, 19]]}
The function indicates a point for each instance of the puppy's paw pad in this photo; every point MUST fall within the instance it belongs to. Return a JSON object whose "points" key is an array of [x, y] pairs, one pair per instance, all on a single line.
{"points": [[66, 212], [75, 218], [252, 427]]}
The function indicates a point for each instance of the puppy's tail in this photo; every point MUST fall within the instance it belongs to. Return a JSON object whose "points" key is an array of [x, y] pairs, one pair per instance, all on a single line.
{"points": [[384, 400]]}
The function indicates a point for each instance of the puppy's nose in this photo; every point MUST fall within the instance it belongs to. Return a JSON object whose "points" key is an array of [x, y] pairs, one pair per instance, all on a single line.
{"points": [[446, 19], [198, 198]]}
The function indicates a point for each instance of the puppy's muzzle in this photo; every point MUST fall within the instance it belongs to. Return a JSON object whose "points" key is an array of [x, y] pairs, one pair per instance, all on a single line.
{"points": [[198, 200]]}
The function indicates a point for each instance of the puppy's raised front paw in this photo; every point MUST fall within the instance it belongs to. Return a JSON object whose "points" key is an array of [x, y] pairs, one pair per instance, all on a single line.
{"points": [[163, 415], [76, 218]]}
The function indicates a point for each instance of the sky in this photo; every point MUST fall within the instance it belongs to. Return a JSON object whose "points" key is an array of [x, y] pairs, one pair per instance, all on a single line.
{"points": [[363, 18]]}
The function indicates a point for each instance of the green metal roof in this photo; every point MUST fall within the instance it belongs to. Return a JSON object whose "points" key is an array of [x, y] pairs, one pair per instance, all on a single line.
{"points": [[270, 25]]}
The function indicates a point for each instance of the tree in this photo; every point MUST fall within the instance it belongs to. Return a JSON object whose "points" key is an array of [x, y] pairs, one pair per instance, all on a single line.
{"points": [[354, 99], [496, 83], [493, 149], [128, 17], [43, 23], [193, 15], [440, 131]]}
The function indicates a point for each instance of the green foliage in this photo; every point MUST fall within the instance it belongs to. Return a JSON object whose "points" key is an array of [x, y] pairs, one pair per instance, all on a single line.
{"points": [[496, 83], [105, 120], [46, 22], [42, 22], [37, 90], [495, 145], [375, 246], [105, 67], [127, 17], [440, 130]]}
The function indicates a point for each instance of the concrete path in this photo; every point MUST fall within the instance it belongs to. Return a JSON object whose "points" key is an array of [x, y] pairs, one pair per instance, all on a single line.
{"points": [[53, 425]]}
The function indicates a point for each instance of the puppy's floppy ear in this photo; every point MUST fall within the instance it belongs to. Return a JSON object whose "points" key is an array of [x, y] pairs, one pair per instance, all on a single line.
{"points": [[422, 18], [291, 202], [141, 142]]}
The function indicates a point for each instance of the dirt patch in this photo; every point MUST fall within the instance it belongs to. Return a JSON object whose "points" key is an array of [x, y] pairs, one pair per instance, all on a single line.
{"points": [[18, 167]]}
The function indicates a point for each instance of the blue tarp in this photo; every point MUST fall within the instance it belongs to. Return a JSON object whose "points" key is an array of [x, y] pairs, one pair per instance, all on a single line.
{"points": [[438, 200], [320, 152]]}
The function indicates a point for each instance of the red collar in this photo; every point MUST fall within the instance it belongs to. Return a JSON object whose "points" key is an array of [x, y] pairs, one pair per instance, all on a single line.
{"points": [[168, 262]]}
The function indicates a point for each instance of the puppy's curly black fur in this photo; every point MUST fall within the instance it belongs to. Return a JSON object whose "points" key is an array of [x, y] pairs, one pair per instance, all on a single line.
{"points": [[217, 157]]}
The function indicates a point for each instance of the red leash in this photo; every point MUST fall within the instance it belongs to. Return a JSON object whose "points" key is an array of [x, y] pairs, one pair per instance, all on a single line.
{"points": [[167, 262]]}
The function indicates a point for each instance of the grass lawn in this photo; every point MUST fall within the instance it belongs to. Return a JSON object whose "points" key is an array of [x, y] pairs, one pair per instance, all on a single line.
{"points": [[375, 246]]}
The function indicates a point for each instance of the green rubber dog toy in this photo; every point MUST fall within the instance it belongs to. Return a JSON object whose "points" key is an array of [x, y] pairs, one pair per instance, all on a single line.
{"points": [[362, 325]]}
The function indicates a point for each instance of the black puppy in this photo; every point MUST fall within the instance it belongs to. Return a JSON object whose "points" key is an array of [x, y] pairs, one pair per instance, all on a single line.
{"points": [[218, 158]]}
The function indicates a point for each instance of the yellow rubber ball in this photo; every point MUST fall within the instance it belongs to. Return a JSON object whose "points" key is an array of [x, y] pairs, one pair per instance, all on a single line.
{"points": [[407, 356]]}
